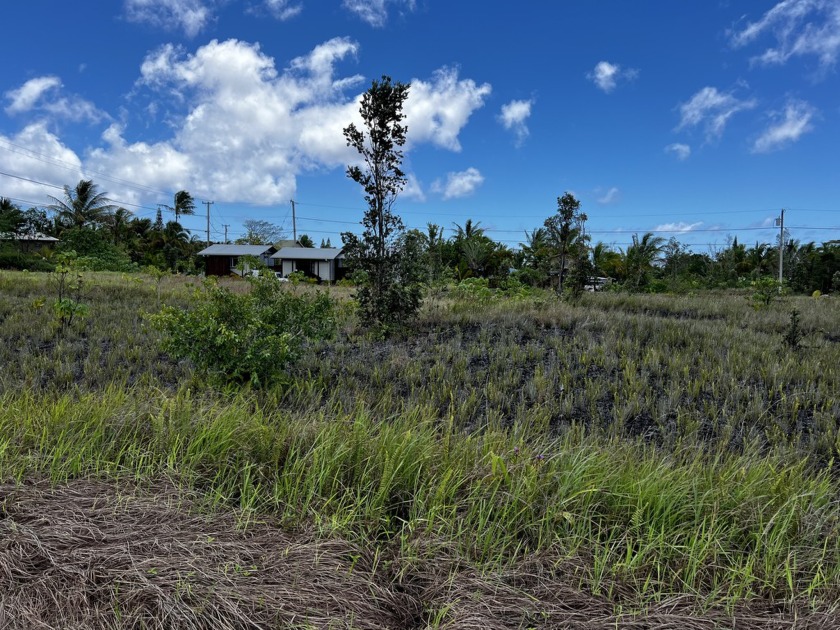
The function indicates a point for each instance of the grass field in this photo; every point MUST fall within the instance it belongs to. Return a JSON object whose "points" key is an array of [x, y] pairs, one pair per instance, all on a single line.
{"points": [[626, 460]]}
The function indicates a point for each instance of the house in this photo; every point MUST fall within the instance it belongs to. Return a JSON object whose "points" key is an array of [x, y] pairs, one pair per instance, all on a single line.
{"points": [[324, 263], [222, 259], [31, 241]]}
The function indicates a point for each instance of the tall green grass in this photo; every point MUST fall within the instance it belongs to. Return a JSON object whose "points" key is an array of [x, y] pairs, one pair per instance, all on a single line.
{"points": [[724, 528], [649, 446]]}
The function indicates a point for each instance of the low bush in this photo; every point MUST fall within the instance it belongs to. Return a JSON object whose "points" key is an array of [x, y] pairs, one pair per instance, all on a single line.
{"points": [[250, 337]]}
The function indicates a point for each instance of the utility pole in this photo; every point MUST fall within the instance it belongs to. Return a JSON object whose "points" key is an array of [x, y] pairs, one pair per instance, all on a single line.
{"points": [[226, 226], [294, 221], [781, 223], [208, 204]]}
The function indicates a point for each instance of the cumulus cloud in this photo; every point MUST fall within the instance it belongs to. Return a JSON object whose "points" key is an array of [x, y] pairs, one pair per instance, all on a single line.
{"points": [[680, 227], [681, 151], [27, 95], [43, 159], [375, 12], [609, 196], [459, 184], [712, 109], [244, 130], [191, 16], [514, 117], [607, 75], [800, 28], [438, 109], [44, 94], [283, 9], [413, 189], [787, 127]]}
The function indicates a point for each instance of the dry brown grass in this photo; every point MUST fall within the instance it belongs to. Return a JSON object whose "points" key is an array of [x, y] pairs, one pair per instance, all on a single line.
{"points": [[90, 554]]}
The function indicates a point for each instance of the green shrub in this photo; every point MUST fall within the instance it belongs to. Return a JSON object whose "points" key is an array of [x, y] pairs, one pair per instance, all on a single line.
{"points": [[11, 258], [249, 337], [474, 290], [764, 290]]}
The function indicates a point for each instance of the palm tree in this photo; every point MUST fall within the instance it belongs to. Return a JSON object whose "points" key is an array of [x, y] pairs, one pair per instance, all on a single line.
{"points": [[434, 240], [469, 230], [183, 203], [82, 206], [174, 241], [535, 242], [641, 256], [119, 224], [475, 253]]}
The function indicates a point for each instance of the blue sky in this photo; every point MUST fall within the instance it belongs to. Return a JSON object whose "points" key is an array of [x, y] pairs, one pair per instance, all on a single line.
{"points": [[699, 119]]}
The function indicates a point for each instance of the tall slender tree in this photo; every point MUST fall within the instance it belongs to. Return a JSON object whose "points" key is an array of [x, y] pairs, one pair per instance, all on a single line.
{"points": [[565, 233], [390, 290]]}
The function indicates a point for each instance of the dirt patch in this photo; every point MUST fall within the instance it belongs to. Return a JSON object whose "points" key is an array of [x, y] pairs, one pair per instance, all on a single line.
{"points": [[90, 554]]}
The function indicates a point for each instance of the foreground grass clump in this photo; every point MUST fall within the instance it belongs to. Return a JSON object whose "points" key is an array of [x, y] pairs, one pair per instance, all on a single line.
{"points": [[643, 449], [721, 528]]}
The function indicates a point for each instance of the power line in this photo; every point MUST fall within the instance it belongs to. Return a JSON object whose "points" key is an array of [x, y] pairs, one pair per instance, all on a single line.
{"points": [[617, 232], [39, 183], [21, 150]]}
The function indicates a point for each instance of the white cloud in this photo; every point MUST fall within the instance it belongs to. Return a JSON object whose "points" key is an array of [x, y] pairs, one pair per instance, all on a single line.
{"points": [[27, 95], [44, 159], [243, 130], [514, 118], [375, 12], [191, 16], [43, 94], [681, 151], [460, 184], [413, 189], [788, 126], [606, 75], [283, 9], [437, 110], [608, 196], [680, 227], [712, 109], [801, 28]]}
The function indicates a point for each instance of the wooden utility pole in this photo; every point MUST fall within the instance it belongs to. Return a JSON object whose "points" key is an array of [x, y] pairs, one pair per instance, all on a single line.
{"points": [[294, 221], [208, 204], [781, 223], [226, 226]]}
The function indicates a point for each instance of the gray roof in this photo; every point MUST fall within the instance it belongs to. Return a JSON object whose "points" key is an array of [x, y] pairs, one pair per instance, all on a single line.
{"points": [[221, 249], [30, 236], [287, 242], [308, 253]]}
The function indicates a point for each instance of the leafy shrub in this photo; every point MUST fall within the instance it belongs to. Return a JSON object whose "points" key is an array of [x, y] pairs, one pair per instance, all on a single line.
{"points": [[764, 290], [68, 281], [250, 337], [10, 258], [474, 290], [94, 252]]}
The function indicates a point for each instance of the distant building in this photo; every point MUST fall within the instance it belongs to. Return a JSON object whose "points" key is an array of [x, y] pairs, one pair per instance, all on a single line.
{"points": [[29, 242], [222, 259], [324, 263]]}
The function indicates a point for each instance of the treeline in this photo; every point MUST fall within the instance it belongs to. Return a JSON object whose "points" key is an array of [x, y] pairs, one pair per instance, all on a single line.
{"points": [[103, 236], [559, 254]]}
